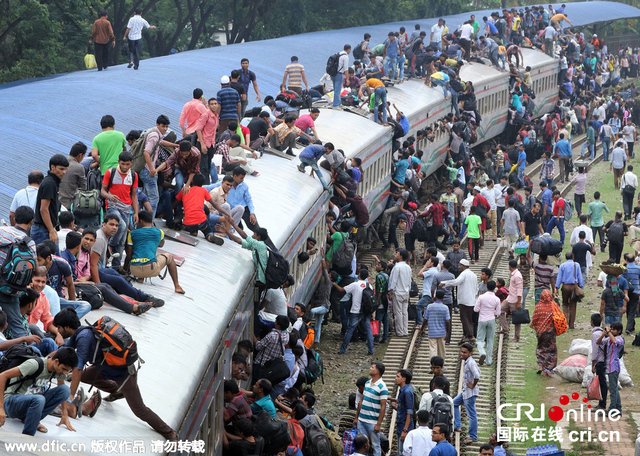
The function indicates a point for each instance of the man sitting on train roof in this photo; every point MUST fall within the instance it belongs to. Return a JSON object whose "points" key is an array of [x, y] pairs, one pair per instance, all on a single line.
{"points": [[274, 304], [285, 135], [116, 381]]}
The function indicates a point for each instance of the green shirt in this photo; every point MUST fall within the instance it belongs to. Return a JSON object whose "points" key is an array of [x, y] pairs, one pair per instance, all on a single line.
{"points": [[36, 386], [110, 144], [453, 173], [337, 239], [476, 27], [595, 211], [260, 252], [473, 223], [591, 135]]}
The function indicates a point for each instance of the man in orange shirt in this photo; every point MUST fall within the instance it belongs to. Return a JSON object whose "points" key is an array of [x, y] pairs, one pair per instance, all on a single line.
{"points": [[191, 112], [380, 95], [42, 311], [195, 219], [101, 35]]}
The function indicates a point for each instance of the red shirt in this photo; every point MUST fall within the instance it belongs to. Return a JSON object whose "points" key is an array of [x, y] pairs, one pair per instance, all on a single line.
{"points": [[557, 205], [122, 186], [193, 203]]}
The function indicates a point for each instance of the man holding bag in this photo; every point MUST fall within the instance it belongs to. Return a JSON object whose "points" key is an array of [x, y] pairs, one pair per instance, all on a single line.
{"points": [[569, 277]]}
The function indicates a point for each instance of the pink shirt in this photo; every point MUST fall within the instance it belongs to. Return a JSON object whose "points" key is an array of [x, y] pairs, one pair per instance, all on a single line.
{"points": [[304, 122], [191, 112], [488, 305], [208, 125], [515, 287], [41, 312]]}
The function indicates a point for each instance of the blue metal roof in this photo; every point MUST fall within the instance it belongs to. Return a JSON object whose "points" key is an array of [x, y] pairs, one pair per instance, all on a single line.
{"points": [[46, 116]]}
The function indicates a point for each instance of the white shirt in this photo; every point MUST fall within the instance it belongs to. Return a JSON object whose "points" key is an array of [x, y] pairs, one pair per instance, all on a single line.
{"points": [[549, 33], [441, 258], [400, 279], [272, 116], [575, 237], [500, 195], [491, 194], [343, 62], [135, 26], [276, 302], [326, 81], [629, 178], [418, 442], [465, 32], [356, 289], [25, 197], [427, 399], [627, 133], [467, 284], [437, 33], [466, 204], [602, 277]]}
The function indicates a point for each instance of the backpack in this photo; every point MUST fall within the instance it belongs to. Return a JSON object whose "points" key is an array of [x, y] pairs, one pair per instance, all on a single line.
{"points": [[413, 290], [276, 270], [368, 304], [335, 442], [94, 179], [16, 355], [419, 230], [615, 233], [528, 182], [137, 151], [343, 255], [416, 400], [357, 51], [316, 442], [568, 210], [315, 367], [441, 411], [275, 433], [520, 207], [90, 293], [332, 64], [18, 267], [307, 334], [347, 440], [86, 203]]}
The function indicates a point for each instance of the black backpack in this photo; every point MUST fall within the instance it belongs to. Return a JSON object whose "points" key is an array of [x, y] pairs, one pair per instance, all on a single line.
{"points": [[343, 255], [615, 233], [419, 230], [315, 367], [357, 51], [520, 208], [332, 64], [94, 179], [441, 411], [16, 355], [368, 304], [276, 271], [274, 432], [316, 442], [18, 267]]}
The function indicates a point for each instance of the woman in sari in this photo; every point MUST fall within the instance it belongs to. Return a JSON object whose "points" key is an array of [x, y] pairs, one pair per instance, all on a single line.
{"points": [[542, 323]]}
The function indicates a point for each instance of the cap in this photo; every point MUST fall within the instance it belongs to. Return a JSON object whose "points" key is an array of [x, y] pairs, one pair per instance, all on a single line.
{"points": [[413, 205], [464, 262], [225, 80], [478, 189]]}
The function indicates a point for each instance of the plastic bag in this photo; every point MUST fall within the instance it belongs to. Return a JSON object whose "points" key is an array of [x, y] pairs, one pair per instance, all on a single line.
{"points": [[580, 347], [375, 328], [572, 368], [90, 61], [593, 389], [624, 378]]}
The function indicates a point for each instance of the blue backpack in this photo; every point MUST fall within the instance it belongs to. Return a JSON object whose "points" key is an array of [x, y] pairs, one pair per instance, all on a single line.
{"points": [[18, 267]]}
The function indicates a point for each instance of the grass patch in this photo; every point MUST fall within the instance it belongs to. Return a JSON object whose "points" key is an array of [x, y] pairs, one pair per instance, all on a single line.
{"points": [[581, 448]]}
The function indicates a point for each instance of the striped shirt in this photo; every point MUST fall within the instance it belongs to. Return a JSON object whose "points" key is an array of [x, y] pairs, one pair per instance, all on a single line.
{"points": [[294, 71], [135, 26], [239, 408], [612, 353], [471, 372], [543, 274], [9, 235], [374, 394]]}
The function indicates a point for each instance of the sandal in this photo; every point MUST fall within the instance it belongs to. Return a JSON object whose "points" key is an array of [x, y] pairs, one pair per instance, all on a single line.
{"points": [[96, 401], [114, 397], [78, 401], [142, 308], [42, 428]]}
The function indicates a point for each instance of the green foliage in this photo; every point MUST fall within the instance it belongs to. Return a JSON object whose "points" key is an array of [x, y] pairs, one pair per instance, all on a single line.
{"points": [[43, 37]]}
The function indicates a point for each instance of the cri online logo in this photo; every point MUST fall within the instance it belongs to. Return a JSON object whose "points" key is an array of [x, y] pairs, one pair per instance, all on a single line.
{"points": [[556, 413]]}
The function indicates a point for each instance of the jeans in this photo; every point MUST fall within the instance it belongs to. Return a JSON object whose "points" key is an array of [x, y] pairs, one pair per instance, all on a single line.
{"points": [[614, 394], [319, 313], [486, 331], [374, 437], [632, 310], [81, 307], [337, 89], [150, 188], [556, 222], [422, 304], [11, 307], [41, 233], [380, 94], [608, 319], [135, 52], [118, 240], [382, 315], [454, 102], [606, 144], [118, 283], [304, 162], [443, 84], [354, 321], [389, 65], [602, 376], [401, 60], [470, 405], [165, 206], [32, 408], [525, 292], [521, 176], [627, 203], [179, 179], [592, 150], [46, 346]]}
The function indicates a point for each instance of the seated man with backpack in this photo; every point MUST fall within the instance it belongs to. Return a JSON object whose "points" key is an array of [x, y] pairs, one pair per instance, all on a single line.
{"points": [[438, 404], [26, 386], [115, 380]]}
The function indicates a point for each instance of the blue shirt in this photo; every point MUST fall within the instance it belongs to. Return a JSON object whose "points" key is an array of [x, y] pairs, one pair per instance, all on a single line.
{"points": [[633, 276], [563, 148], [404, 123], [357, 174], [71, 259], [547, 198], [145, 242], [228, 98], [443, 448], [568, 272], [492, 28], [405, 405], [427, 284], [623, 285], [84, 342], [436, 316], [238, 196], [313, 151], [246, 79], [391, 48], [522, 159], [401, 171]]}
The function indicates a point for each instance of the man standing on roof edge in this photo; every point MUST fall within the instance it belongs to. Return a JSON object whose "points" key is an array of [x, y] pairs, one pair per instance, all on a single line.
{"points": [[246, 77], [134, 34]]}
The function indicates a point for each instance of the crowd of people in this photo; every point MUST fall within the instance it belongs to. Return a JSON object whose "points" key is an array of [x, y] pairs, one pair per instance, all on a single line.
{"points": [[88, 227]]}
